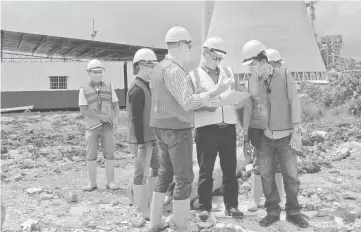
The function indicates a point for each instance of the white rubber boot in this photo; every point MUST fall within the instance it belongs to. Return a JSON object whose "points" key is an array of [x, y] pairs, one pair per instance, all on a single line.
{"points": [[151, 185], [256, 192], [109, 172], [92, 172], [281, 189], [141, 199], [156, 211], [181, 210]]}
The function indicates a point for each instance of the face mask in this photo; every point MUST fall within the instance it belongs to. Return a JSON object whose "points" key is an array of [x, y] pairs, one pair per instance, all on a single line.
{"points": [[96, 77], [144, 73], [257, 70]]}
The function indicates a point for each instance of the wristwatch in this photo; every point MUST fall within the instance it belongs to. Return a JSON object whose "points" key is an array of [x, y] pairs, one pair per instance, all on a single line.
{"points": [[141, 146]]}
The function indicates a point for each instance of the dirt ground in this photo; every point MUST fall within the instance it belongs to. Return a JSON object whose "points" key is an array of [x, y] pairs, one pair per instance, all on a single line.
{"points": [[43, 170]]}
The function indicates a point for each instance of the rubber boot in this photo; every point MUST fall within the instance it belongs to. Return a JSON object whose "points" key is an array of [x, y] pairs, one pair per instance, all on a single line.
{"points": [[141, 199], [92, 172], [281, 189], [109, 172], [256, 192], [3, 213], [181, 210], [151, 184], [156, 211]]}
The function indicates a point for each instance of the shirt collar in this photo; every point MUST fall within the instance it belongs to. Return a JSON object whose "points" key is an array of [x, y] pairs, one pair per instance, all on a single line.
{"points": [[210, 71], [174, 60]]}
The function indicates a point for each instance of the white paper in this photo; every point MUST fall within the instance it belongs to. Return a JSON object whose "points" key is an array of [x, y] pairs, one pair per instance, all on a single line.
{"points": [[229, 97]]}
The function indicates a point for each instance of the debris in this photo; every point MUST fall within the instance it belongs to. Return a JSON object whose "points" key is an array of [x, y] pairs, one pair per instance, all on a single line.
{"points": [[71, 197], [30, 225], [33, 190], [138, 222]]}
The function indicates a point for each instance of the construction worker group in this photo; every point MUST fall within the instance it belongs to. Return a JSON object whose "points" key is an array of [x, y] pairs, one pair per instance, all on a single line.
{"points": [[168, 109]]}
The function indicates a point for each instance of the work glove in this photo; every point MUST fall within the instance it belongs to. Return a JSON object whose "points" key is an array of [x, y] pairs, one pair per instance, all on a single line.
{"points": [[296, 139]]}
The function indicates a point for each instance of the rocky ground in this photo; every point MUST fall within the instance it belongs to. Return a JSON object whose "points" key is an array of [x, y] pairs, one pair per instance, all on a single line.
{"points": [[43, 170]]}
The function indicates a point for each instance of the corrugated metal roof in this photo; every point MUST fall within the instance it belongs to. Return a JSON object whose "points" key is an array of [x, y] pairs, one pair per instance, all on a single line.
{"points": [[13, 42]]}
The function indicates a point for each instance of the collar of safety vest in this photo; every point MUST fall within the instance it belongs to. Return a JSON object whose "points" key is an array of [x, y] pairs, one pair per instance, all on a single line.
{"points": [[144, 82], [173, 59], [272, 70], [95, 84], [210, 71]]}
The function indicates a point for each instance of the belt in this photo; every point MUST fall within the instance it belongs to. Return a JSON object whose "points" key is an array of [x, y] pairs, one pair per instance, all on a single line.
{"points": [[220, 125]]}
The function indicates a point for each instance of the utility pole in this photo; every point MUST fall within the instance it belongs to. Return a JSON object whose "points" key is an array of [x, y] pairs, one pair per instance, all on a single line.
{"points": [[94, 33]]}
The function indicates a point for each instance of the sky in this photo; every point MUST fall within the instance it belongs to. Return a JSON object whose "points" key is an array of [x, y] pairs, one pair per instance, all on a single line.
{"points": [[146, 23]]}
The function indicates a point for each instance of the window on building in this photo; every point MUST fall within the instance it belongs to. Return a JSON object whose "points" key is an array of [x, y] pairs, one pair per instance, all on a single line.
{"points": [[58, 82]]}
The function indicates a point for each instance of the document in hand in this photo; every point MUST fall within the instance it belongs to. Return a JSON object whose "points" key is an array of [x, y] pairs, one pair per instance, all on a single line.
{"points": [[230, 97]]}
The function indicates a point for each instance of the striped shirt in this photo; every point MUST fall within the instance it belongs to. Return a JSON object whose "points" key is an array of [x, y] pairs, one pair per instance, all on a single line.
{"points": [[173, 99]]}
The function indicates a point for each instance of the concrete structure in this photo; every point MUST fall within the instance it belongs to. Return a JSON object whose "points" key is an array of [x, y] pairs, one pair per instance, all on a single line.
{"points": [[286, 28]]}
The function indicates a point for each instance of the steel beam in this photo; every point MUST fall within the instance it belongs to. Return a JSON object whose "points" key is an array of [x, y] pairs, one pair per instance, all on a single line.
{"points": [[56, 47], [75, 48], [42, 41], [87, 52], [20, 42]]}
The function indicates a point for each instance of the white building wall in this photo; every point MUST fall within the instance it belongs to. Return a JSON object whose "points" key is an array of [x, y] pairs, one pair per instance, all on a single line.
{"points": [[34, 76]]}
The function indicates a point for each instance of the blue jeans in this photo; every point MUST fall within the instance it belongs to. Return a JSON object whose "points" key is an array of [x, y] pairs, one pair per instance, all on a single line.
{"points": [[175, 154], [145, 164], [269, 150]]}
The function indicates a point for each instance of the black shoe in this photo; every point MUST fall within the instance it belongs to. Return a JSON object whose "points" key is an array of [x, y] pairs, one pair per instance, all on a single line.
{"points": [[298, 220], [204, 215], [234, 212], [268, 220]]}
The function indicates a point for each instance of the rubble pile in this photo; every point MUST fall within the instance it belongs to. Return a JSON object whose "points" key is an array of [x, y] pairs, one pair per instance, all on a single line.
{"points": [[43, 170]]}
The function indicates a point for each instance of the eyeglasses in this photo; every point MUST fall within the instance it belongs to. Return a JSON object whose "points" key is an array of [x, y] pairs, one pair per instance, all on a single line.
{"points": [[188, 43], [215, 58], [96, 71]]}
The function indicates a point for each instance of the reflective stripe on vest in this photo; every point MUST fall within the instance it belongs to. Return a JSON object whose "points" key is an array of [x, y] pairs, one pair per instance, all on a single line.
{"points": [[225, 114], [98, 102]]}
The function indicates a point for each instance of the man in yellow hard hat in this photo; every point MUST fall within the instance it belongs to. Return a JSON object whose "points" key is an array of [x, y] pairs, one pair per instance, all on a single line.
{"points": [[275, 60], [172, 118], [141, 139], [98, 103], [275, 110], [215, 133]]}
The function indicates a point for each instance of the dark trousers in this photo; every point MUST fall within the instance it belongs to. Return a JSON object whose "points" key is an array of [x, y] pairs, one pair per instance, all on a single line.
{"points": [[211, 140], [270, 149]]}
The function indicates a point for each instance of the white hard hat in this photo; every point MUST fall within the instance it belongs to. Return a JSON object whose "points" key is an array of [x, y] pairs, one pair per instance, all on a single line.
{"points": [[145, 54], [251, 50], [273, 55], [215, 44], [95, 64], [176, 34]]}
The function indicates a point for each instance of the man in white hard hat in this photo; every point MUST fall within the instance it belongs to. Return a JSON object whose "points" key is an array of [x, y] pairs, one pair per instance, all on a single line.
{"points": [[215, 133], [274, 109], [275, 60], [98, 103], [141, 139], [172, 118]]}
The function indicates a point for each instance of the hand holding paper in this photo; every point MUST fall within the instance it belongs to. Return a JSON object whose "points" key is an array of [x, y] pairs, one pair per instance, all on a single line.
{"points": [[229, 97]]}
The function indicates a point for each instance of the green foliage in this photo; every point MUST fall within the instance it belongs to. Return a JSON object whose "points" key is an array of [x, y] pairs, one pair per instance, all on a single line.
{"points": [[344, 91]]}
